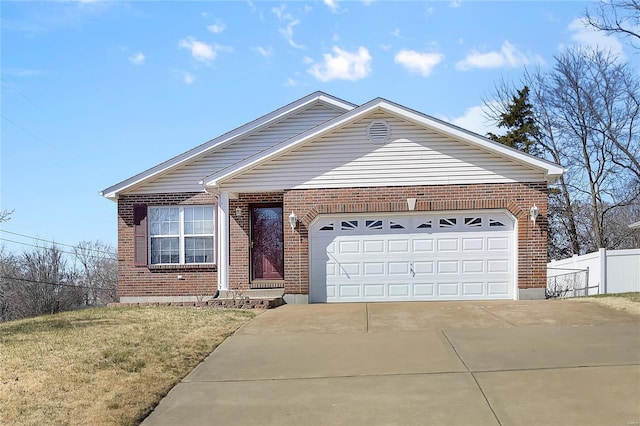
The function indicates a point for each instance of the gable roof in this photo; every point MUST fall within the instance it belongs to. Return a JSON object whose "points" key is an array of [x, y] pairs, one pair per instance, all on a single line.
{"points": [[551, 171], [220, 142]]}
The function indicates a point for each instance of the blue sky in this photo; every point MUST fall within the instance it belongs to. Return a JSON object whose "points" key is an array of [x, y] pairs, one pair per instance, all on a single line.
{"points": [[94, 92]]}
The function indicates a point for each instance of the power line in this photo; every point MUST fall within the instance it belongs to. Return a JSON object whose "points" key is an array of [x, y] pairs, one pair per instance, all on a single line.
{"points": [[59, 244], [19, 92], [61, 251], [22, 128]]}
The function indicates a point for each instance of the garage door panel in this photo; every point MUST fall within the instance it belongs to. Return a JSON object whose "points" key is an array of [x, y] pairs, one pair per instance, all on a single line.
{"points": [[374, 290], [448, 244], [349, 247], [498, 288], [423, 245], [497, 243], [398, 268], [472, 266], [473, 244], [417, 257], [374, 269], [373, 246], [331, 270], [398, 246], [448, 289], [331, 291], [498, 266], [422, 268], [350, 270], [473, 289], [448, 267], [349, 291], [423, 290], [399, 290]]}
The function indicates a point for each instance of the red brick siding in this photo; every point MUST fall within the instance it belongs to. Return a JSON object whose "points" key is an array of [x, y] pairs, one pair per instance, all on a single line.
{"points": [[515, 197], [145, 281]]}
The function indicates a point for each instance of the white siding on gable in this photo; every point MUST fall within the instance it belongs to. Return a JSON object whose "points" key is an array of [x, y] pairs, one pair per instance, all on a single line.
{"points": [[412, 156], [186, 178]]}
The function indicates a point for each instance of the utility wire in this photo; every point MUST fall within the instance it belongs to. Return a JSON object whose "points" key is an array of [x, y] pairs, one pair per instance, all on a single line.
{"points": [[19, 92], [22, 128], [61, 251], [59, 244]]}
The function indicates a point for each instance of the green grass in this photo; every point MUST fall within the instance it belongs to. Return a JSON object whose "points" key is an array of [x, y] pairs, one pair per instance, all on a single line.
{"points": [[103, 366]]}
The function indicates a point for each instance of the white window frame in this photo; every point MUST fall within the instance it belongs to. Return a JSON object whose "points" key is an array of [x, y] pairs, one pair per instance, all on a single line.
{"points": [[182, 236]]}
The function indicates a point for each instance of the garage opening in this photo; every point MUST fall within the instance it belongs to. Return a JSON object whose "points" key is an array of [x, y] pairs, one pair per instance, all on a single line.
{"points": [[467, 255]]}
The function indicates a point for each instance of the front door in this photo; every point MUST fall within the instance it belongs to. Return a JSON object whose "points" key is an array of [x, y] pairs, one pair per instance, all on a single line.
{"points": [[267, 243]]}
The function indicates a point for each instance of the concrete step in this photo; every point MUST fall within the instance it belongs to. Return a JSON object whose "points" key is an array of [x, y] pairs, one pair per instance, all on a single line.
{"points": [[262, 293]]}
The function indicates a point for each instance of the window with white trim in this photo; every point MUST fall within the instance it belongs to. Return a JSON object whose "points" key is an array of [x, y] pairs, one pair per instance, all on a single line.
{"points": [[181, 235]]}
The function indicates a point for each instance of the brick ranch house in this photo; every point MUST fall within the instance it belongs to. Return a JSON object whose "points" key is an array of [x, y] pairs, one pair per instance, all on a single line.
{"points": [[334, 202]]}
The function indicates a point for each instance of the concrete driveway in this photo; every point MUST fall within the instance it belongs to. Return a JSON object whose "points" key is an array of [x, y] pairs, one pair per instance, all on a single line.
{"points": [[439, 363]]}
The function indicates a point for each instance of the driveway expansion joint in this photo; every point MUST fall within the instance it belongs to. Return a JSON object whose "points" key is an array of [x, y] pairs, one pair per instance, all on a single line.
{"points": [[484, 395]]}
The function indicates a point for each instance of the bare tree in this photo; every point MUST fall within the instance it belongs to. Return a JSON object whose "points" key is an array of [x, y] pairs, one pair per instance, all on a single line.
{"points": [[5, 215], [587, 113], [617, 17], [97, 272]]}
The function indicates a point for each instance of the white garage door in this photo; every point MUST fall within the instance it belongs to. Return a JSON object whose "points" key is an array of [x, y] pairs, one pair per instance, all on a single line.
{"points": [[443, 256]]}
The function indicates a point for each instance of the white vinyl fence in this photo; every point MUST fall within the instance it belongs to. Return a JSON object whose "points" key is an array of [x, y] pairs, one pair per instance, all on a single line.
{"points": [[601, 272]]}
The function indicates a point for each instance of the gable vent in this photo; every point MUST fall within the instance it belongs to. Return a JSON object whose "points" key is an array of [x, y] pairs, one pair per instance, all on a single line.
{"points": [[378, 131]]}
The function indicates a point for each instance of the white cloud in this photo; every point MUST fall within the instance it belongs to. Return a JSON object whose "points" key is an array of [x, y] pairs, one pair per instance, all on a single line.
{"points": [[185, 76], [508, 56], [455, 3], [217, 28], [332, 5], [290, 22], [137, 59], [475, 119], [189, 78], [587, 36], [201, 51], [307, 60], [343, 65], [291, 82], [267, 52], [22, 72], [419, 63]]}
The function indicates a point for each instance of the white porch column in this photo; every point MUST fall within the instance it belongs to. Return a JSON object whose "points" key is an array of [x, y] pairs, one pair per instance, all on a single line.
{"points": [[223, 241]]}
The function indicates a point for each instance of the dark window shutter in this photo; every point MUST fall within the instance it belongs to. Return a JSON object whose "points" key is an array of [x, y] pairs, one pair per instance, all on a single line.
{"points": [[140, 235]]}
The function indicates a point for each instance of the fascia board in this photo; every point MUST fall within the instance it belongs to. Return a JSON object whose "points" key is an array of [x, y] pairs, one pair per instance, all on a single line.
{"points": [[225, 139], [551, 170]]}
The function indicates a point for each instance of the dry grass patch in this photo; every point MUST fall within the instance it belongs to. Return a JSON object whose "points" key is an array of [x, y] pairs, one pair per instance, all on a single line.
{"points": [[103, 366], [628, 302]]}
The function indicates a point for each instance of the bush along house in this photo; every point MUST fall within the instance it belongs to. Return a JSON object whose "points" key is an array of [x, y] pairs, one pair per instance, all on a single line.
{"points": [[326, 201]]}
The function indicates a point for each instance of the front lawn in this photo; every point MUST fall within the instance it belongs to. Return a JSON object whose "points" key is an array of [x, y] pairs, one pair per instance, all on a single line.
{"points": [[103, 366]]}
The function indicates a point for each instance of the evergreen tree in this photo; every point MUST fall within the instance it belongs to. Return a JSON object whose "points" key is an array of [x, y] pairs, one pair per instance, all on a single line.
{"points": [[519, 121]]}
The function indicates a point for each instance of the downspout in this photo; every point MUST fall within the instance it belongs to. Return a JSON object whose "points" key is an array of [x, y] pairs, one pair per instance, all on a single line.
{"points": [[223, 241]]}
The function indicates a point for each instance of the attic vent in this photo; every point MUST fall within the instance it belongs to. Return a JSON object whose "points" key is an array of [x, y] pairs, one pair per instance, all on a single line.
{"points": [[378, 131]]}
